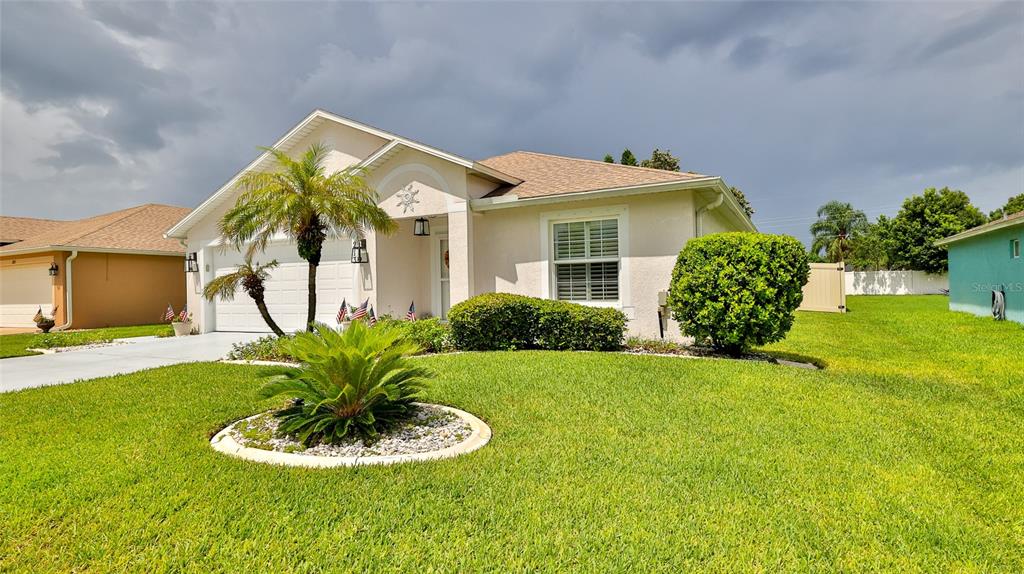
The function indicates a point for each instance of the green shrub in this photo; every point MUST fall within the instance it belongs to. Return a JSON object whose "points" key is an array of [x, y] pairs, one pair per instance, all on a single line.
{"points": [[431, 335], [268, 348], [570, 326], [738, 289], [356, 382], [494, 321], [501, 321]]}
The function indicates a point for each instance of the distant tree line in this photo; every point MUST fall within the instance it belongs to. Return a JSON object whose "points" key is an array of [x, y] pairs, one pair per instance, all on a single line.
{"points": [[665, 160], [906, 241]]}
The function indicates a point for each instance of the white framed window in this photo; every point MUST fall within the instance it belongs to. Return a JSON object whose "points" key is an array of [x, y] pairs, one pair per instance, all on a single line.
{"points": [[1015, 248], [584, 252]]}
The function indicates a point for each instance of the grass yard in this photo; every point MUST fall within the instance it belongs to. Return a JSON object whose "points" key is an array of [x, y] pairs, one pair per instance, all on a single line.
{"points": [[906, 454], [18, 345]]}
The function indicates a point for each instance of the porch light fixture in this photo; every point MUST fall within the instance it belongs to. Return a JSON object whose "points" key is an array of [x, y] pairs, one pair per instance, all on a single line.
{"points": [[53, 270], [421, 228], [359, 253], [191, 263]]}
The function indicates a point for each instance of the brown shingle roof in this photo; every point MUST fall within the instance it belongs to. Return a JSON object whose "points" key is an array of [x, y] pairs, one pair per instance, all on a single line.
{"points": [[134, 229], [545, 174], [20, 228]]}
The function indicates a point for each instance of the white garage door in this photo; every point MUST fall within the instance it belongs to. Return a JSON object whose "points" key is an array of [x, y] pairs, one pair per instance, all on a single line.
{"points": [[286, 289], [23, 291]]}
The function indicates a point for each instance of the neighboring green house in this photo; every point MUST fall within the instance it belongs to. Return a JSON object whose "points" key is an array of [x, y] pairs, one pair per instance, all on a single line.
{"points": [[984, 259]]}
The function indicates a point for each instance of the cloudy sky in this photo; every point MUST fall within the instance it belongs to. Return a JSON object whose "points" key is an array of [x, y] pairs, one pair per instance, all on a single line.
{"points": [[109, 105]]}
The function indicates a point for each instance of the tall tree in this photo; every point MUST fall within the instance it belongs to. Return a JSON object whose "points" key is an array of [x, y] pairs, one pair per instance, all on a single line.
{"points": [[627, 157], [608, 158], [1014, 205], [923, 220], [838, 223], [301, 200], [661, 160], [868, 251], [251, 276], [741, 198]]}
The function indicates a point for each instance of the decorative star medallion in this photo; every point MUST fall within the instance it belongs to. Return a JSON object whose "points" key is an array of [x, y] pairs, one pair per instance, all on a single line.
{"points": [[406, 198]]}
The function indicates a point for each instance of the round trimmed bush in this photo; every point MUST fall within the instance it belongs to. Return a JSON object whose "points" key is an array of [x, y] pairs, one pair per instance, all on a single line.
{"points": [[738, 289]]}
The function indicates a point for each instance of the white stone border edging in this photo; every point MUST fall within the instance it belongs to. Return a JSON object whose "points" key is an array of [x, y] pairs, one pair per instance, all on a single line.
{"points": [[478, 437]]}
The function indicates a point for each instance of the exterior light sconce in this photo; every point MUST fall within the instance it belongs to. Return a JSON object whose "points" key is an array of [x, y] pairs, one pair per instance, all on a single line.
{"points": [[53, 270], [359, 253], [421, 228], [191, 263]]}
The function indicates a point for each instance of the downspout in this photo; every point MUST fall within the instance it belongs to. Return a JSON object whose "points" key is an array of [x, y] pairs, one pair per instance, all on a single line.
{"points": [[699, 223], [67, 292]]}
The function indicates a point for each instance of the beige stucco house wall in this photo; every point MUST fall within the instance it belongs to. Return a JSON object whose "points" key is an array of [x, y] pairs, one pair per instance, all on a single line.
{"points": [[491, 229]]}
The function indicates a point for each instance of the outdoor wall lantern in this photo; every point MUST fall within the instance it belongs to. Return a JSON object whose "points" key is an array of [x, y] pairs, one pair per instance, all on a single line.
{"points": [[421, 228], [359, 253], [53, 270], [191, 263]]}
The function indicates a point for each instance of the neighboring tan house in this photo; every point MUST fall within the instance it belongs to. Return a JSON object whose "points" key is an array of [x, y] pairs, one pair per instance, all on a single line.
{"points": [[112, 269], [984, 260], [528, 223]]}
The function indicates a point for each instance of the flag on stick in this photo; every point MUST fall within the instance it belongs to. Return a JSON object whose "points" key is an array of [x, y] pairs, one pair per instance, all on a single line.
{"points": [[360, 311], [343, 312], [411, 315], [183, 316], [169, 314], [371, 319]]}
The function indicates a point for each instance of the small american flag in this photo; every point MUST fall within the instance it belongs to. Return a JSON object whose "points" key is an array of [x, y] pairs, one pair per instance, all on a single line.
{"points": [[360, 311], [343, 312], [183, 316], [371, 319], [169, 314], [411, 315]]}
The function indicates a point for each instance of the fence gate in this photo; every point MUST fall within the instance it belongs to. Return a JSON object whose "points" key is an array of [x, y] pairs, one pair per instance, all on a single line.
{"points": [[825, 289]]}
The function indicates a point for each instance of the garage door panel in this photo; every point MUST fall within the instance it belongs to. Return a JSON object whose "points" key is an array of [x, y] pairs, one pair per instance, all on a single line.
{"points": [[23, 291], [286, 289]]}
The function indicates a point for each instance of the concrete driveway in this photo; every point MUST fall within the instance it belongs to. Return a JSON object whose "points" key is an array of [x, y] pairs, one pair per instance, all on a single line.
{"points": [[128, 356]]}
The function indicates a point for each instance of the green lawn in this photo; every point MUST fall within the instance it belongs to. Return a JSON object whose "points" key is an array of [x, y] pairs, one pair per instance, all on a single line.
{"points": [[906, 454], [18, 345]]}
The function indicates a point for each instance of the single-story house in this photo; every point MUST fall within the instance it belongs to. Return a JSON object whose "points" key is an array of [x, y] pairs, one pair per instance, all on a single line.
{"points": [[108, 270], [984, 260], [524, 222]]}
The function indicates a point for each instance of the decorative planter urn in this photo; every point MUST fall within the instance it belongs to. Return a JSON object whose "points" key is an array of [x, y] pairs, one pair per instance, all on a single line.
{"points": [[182, 328], [45, 326]]}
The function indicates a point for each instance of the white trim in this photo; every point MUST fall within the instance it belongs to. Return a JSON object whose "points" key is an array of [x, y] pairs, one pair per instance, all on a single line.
{"points": [[549, 218], [180, 229], [435, 273], [1015, 248]]}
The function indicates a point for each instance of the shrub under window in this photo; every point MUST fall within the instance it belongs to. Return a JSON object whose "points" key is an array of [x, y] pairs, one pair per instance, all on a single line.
{"points": [[738, 289], [501, 321]]}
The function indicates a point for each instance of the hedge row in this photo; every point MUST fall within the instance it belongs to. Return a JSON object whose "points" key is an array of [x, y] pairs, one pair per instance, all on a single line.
{"points": [[501, 321]]}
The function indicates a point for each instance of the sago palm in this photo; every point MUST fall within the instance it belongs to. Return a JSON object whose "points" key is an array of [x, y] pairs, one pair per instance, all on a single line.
{"points": [[251, 276], [350, 383], [300, 199], [837, 225]]}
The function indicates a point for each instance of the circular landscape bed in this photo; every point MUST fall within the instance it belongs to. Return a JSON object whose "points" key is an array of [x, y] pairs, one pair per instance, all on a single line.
{"points": [[433, 432]]}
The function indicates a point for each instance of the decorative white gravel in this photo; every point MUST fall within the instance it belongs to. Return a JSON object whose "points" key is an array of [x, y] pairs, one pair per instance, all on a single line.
{"points": [[431, 428], [52, 350]]}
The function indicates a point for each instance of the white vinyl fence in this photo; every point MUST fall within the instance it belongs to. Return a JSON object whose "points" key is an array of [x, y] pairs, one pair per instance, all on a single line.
{"points": [[895, 283]]}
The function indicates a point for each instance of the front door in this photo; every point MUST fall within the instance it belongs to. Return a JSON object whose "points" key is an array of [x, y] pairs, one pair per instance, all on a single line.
{"points": [[443, 297]]}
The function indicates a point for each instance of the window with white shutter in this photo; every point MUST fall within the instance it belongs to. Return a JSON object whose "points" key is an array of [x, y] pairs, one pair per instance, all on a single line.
{"points": [[586, 260]]}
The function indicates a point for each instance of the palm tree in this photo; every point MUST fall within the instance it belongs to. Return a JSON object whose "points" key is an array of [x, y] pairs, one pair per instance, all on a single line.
{"points": [[252, 277], [301, 200], [838, 223]]}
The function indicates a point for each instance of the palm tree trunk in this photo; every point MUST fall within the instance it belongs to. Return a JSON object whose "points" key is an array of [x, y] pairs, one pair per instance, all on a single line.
{"points": [[262, 306], [311, 309]]}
